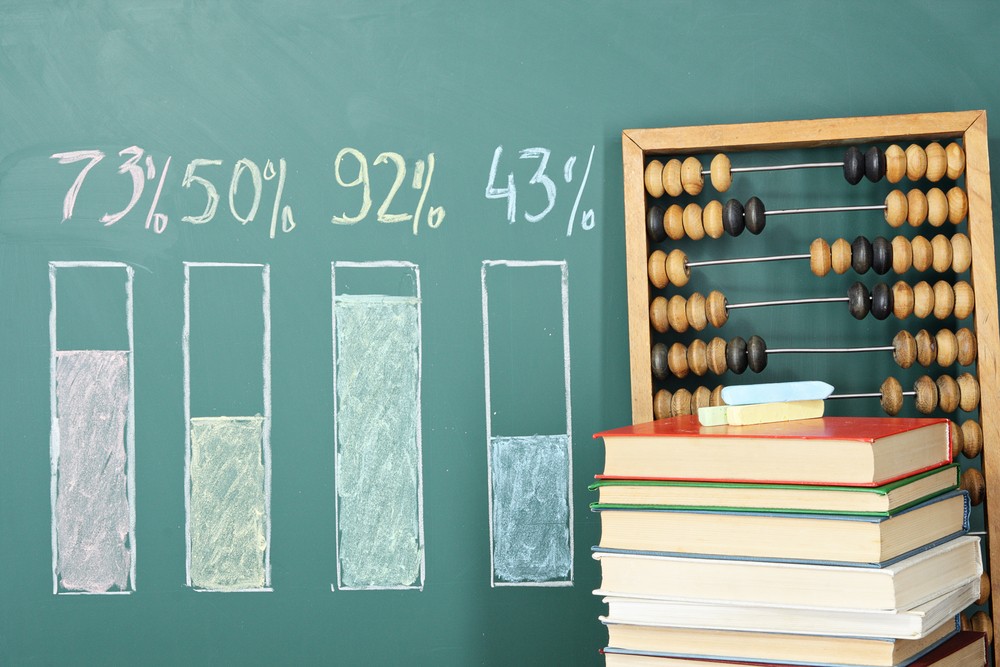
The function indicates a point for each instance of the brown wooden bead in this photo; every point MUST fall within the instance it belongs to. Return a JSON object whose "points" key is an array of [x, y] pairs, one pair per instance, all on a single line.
{"points": [[661, 404], [926, 348], [658, 364], [944, 299], [840, 256], [961, 253], [923, 299], [653, 177], [711, 218], [691, 179], [892, 396], [694, 228], [896, 208], [956, 160], [656, 269], [895, 163], [716, 354], [672, 178], [676, 267], [716, 309], [937, 207], [680, 403], [972, 438], [916, 162], [937, 162], [819, 257], [673, 222], [701, 398], [676, 313], [658, 314], [904, 349], [957, 440], [967, 346], [717, 397], [923, 253], [916, 207], [968, 387], [722, 176], [677, 360], [942, 251], [947, 347], [958, 205], [695, 312], [927, 394], [902, 300], [980, 622], [902, 254], [973, 482], [697, 357], [965, 300], [984, 588], [948, 393]]}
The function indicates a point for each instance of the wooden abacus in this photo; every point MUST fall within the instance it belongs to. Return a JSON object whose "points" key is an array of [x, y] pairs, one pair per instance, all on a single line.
{"points": [[662, 165]]}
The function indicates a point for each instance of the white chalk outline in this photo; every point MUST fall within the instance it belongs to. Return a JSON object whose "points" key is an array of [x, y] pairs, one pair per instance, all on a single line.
{"points": [[129, 426], [265, 426], [564, 285], [420, 455]]}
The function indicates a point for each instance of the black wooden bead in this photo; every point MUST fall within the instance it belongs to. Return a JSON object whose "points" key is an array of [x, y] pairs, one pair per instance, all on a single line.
{"points": [[756, 354], [732, 217], [854, 165], [858, 301], [861, 255], [881, 301], [658, 357], [875, 164], [754, 215], [881, 255], [654, 224], [736, 355]]}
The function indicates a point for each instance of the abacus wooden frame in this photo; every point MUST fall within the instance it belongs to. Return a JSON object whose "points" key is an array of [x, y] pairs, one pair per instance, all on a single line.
{"points": [[969, 126]]}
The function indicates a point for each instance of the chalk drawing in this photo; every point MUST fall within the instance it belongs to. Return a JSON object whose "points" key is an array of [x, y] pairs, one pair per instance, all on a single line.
{"points": [[92, 454], [378, 467], [227, 474], [530, 495]]}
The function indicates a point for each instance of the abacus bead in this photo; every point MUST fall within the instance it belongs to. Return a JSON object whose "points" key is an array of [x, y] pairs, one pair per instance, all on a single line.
{"points": [[916, 207], [697, 357], [981, 622], [902, 254], [967, 349], [947, 347], [722, 176], [677, 360], [676, 267], [904, 349], [972, 481], [937, 207], [717, 309], [956, 160], [965, 300], [695, 312], [881, 255], [840, 256], [902, 300], [944, 299], [653, 177], [927, 394], [926, 348], [733, 217], [658, 314], [711, 218], [756, 354], [881, 301], [861, 255], [694, 228], [854, 165], [923, 299], [819, 257], [736, 355], [672, 178], [661, 404], [716, 354], [948, 393], [961, 253], [673, 222], [654, 224], [916, 162], [680, 403], [984, 588], [658, 361], [874, 164], [895, 163], [972, 438], [957, 441], [754, 215], [941, 246], [858, 301], [896, 208], [937, 162], [923, 253], [968, 386], [700, 398], [716, 398], [892, 396], [691, 179], [958, 205], [656, 268], [677, 313]]}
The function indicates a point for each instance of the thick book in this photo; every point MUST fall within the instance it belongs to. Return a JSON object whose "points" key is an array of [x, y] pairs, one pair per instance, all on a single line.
{"points": [[964, 649], [823, 538], [906, 624], [772, 646], [858, 451], [877, 500], [899, 586]]}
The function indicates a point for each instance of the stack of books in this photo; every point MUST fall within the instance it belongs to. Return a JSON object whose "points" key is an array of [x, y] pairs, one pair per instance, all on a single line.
{"points": [[829, 541]]}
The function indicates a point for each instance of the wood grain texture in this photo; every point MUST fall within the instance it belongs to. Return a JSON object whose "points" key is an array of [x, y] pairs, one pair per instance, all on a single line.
{"points": [[636, 253]]}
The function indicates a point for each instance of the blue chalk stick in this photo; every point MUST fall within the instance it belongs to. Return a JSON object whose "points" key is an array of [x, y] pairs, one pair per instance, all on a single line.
{"points": [[773, 392]]}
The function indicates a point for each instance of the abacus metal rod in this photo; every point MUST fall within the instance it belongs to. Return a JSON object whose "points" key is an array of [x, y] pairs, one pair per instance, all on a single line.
{"points": [[744, 260], [832, 350], [876, 394], [788, 302], [779, 167], [828, 209]]}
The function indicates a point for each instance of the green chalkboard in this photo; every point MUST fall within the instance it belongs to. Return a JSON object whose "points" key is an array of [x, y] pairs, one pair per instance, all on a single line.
{"points": [[343, 285]]}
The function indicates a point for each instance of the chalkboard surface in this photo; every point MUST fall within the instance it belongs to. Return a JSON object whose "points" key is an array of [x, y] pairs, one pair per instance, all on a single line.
{"points": [[344, 284]]}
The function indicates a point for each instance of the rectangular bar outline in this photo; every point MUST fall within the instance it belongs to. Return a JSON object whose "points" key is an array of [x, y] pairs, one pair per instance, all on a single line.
{"points": [[420, 450], [564, 285], [265, 427], [129, 426]]}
